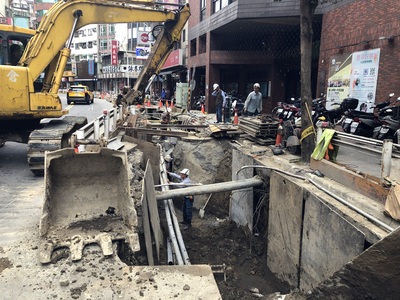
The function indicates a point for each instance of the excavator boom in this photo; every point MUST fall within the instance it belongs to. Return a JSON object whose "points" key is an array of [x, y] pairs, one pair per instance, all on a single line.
{"points": [[25, 100]]}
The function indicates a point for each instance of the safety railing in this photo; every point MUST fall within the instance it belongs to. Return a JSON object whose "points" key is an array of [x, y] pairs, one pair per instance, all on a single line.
{"points": [[99, 130]]}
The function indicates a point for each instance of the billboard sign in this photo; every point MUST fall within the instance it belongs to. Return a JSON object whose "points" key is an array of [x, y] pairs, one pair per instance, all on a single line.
{"points": [[114, 52]]}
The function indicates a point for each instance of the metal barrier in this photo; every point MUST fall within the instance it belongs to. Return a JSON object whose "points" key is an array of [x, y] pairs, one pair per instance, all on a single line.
{"points": [[98, 131]]}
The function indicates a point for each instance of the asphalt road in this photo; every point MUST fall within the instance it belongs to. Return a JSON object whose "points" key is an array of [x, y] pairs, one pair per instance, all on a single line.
{"points": [[21, 193]]}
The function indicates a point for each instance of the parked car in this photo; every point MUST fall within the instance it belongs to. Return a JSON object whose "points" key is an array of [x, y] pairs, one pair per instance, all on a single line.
{"points": [[79, 93]]}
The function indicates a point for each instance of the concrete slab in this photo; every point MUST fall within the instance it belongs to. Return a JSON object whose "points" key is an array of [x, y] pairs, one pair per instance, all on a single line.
{"points": [[284, 228], [328, 242], [241, 205]]}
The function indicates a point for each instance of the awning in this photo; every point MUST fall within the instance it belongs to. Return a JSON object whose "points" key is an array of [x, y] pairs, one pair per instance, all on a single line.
{"points": [[165, 72]]}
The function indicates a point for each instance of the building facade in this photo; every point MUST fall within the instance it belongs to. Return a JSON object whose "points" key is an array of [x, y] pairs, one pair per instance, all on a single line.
{"points": [[236, 43]]}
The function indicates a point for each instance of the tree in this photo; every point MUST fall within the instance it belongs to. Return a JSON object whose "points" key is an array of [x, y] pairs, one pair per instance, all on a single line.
{"points": [[307, 12]]}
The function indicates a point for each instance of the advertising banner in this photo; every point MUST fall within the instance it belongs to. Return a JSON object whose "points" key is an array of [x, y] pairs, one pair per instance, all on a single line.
{"points": [[353, 75], [339, 79], [364, 77], [142, 52], [114, 52]]}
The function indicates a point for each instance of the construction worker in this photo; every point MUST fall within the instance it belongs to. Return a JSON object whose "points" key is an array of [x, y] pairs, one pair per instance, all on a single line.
{"points": [[183, 177]]}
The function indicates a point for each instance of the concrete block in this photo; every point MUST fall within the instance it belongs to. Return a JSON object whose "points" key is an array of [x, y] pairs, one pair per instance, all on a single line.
{"points": [[328, 243], [284, 228], [241, 206]]}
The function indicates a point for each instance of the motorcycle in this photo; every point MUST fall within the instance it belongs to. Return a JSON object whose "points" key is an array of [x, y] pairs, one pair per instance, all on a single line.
{"points": [[290, 119], [198, 102], [364, 123], [390, 124]]}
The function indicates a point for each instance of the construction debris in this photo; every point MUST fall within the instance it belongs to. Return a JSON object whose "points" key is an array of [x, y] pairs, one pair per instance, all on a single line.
{"points": [[261, 130]]}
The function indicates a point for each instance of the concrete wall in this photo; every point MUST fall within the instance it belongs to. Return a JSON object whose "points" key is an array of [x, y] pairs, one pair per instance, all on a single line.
{"points": [[307, 240], [372, 275], [328, 242], [241, 206], [284, 228]]}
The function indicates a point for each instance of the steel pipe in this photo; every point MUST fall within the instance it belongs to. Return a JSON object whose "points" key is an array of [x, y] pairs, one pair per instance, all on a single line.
{"points": [[210, 188], [347, 203]]}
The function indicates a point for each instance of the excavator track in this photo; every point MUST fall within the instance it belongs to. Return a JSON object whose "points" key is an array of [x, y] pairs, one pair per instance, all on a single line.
{"points": [[53, 136]]}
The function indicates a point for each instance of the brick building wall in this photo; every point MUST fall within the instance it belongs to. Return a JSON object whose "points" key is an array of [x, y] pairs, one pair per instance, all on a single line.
{"points": [[350, 26]]}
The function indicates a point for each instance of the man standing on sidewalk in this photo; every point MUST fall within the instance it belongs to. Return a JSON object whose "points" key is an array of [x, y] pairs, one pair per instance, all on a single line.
{"points": [[220, 101], [187, 207]]}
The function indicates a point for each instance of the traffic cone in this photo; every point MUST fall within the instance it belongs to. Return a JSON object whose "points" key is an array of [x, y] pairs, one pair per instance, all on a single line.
{"points": [[148, 102], [76, 148], [279, 132], [160, 104], [202, 109], [236, 118]]}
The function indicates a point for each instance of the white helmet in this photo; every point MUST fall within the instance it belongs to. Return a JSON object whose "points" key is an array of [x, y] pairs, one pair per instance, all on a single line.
{"points": [[168, 158], [185, 171], [215, 86], [256, 85]]}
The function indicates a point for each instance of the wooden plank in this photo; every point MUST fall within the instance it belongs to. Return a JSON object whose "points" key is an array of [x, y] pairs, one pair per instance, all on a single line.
{"points": [[152, 207], [146, 227]]}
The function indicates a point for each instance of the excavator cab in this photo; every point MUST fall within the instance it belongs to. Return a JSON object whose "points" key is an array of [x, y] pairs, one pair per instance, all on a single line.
{"points": [[13, 41]]}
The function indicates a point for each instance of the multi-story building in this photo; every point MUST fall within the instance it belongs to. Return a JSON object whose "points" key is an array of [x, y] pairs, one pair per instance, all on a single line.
{"points": [[239, 42], [84, 54], [20, 12], [41, 7]]}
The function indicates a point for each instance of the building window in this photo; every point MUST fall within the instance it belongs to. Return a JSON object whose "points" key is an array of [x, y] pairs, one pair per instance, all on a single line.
{"points": [[220, 4], [184, 35], [103, 30], [193, 45], [202, 10], [111, 29], [103, 44], [77, 46], [90, 45], [76, 34]]}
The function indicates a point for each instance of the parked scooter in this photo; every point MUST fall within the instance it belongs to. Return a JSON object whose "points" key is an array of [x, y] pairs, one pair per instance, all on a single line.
{"points": [[291, 127], [390, 124], [198, 102], [363, 123]]}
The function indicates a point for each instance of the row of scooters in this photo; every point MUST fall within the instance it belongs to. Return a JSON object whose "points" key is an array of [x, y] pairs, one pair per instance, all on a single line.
{"points": [[382, 123]]}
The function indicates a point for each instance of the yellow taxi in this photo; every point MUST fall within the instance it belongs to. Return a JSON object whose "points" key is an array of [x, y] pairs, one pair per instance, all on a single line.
{"points": [[79, 93]]}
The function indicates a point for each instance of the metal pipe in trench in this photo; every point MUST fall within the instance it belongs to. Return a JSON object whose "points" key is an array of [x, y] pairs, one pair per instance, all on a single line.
{"points": [[361, 212], [172, 221], [210, 188]]}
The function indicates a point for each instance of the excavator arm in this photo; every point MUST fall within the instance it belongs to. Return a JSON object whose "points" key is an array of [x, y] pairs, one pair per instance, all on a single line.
{"points": [[48, 50]]}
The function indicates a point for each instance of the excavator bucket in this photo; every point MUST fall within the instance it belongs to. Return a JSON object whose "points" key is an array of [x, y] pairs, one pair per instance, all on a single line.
{"points": [[87, 201]]}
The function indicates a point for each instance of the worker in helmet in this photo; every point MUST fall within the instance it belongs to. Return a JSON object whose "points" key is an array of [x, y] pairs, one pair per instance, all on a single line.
{"points": [[253, 103], [220, 101], [183, 177]]}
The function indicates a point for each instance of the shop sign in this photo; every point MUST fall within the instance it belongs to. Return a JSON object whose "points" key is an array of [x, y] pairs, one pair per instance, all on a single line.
{"points": [[174, 59], [114, 52]]}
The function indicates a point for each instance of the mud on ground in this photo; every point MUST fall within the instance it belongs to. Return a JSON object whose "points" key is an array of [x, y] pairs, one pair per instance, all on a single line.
{"points": [[215, 240]]}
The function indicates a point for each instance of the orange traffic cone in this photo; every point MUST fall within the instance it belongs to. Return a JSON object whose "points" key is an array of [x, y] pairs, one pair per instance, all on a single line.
{"points": [[279, 132], [236, 118], [159, 104], [202, 109], [76, 148]]}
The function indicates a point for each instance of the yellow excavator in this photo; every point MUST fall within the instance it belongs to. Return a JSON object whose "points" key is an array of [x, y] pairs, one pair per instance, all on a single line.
{"points": [[29, 87]]}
